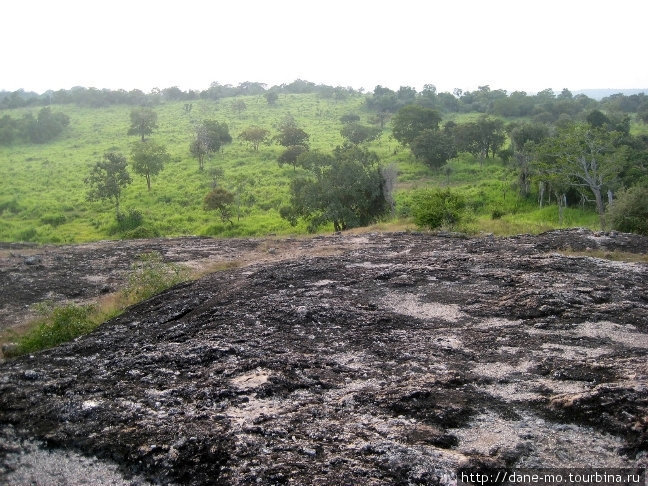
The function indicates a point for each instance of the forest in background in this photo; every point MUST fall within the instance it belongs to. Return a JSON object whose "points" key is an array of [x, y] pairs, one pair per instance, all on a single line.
{"points": [[86, 164]]}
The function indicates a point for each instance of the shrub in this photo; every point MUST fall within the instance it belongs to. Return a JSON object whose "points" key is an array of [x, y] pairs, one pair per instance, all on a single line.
{"points": [[150, 275], [58, 325], [434, 209], [141, 232], [129, 221], [629, 212], [53, 219]]}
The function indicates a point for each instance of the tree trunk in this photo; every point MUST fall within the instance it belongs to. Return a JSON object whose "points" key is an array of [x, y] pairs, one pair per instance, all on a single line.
{"points": [[562, 202], [599, 205], [541, 190], [148, 181]]}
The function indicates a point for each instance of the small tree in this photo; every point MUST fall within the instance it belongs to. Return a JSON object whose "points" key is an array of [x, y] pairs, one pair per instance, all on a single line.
{"points": [[271, 97], [434, 148], [290, 134], [349, 191], [291, 154], [629, 212], [107, 179], [434, 209], [412, 120], [357, 133], [255, 136], [584, 158], [220, 199], [239, 106], [148, 159], [211, 136], [143, 121]]}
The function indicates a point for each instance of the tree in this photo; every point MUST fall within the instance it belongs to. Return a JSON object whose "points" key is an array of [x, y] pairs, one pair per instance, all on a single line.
{"points": [[271, 97], [629, 212], [480, 138], [210, 137], [148, 159], [524, 138], [143, 121], [357, 133], [412, 120], [255, 136], [433, 147], [239, 106], [585, 158], [437, 208], [220, 199], [348, 191], [349, 118], [290, 134], [107, 179], [291, 154]]}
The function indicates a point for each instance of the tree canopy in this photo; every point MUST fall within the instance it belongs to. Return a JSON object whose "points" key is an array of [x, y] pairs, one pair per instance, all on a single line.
{"points": [[107, 178], [143, 121], [347, 190], [412, 120], [210, 137], [148, 159]]}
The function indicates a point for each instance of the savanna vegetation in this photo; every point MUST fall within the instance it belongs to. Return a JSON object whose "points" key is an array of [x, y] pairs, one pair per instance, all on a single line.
{"points": [[87, 164]]}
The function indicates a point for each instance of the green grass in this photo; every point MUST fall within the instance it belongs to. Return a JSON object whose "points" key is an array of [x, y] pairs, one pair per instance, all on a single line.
{"points": [[57, 324], [43, 196]]}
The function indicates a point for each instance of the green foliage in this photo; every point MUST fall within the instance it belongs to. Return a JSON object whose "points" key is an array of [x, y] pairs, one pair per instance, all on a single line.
{"points": [[143, 121], [150, 275], [291, 155], [629, 213], [53, 219], [41, 180], [349, 191], [255, 136], [357, 133], [107, 178], [434, 209], [412, 120], [57, 325], [290, 135], [220, 200], [584, 158], [41, 129], [350, 118], [480, 138], [130, 220], [271, 97], [211, 136], [433, 147], [148, 159]]}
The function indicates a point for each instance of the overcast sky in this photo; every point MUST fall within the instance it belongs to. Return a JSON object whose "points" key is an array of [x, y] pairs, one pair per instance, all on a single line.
{"points": [[525, 45]]}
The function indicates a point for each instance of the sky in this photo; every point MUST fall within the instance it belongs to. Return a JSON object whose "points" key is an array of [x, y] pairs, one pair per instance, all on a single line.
{"points": [[524, 45]]}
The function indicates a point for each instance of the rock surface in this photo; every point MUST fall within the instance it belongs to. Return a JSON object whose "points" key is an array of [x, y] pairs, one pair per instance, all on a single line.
{"points": [[389, 359]]}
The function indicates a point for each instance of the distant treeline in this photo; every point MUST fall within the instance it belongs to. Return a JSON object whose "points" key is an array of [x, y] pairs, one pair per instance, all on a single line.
{"points": [[545, 106], [35, 129]]}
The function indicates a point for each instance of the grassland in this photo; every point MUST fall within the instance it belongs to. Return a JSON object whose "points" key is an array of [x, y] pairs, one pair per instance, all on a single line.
{"points": [[43, 196]]}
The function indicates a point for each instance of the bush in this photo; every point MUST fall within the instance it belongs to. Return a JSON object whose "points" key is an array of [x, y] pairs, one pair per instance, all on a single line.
{"points": [[129, 221], [58, 325], [141, 232], [629, 213], [434, 209], [53, 219], [150, 275]]}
